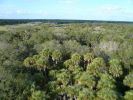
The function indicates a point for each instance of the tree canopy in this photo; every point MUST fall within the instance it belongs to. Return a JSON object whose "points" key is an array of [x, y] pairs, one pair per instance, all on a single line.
{"points": [[69, 61]]}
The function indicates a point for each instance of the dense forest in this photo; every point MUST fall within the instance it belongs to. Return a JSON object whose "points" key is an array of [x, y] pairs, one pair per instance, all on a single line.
{"points": [[72, 61]]}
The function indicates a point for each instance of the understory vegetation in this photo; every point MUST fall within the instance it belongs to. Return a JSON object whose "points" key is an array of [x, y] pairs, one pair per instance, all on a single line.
{"points": [[81, 61]]}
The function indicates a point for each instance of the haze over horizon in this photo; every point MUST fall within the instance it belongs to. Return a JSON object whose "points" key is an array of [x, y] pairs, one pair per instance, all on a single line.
{"points": [[112, 10]]}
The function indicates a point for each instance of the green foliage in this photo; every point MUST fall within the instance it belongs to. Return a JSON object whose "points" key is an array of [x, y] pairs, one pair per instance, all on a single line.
{"points": [[115, 68], [88, 57], [82, 61], [107, 94], [75, 58], [87, 80], [45, 53], [96, 67], [68, 63], [128, 95], [37, 94], [51, 45], [36, 57], [128, 80], [106, 81], [72, 46], [99, 61], [73, 63], [86, 94], [125, 52], [72, 91], [41, 63], [63, 77], [28, 62], [56, 56]]}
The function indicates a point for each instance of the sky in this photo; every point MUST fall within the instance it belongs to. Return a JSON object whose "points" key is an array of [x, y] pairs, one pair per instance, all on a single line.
{"points": [[112, 10]]}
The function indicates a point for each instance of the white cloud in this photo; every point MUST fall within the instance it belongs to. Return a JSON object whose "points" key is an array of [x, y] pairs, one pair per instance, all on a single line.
{"points": [[109, 12], [22, 13], [110, 8]]}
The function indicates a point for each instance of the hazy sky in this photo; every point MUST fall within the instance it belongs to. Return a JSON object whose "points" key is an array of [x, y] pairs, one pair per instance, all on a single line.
{"points": [[121, 10]]}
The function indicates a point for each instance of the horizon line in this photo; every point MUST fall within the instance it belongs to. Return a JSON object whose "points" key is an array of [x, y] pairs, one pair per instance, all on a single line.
{"points": [[52, 19]]}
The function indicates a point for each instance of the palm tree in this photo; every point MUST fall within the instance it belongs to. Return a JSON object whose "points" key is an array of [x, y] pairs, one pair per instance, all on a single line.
{"points": [[76, 58], [56, 56], [53, 89], [73, 63], [115, 68], [42, 64], [36, 57], [107, 94], [72, 92], [88, 58], [69, 64], [29, 62], [52, 74], [128, 95], [106, 81], [86, 94], [96, 67], [45, 53], [37, 94], [128, 80], [63, 77], [76, 74], [99, 61], [87, 80]]}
